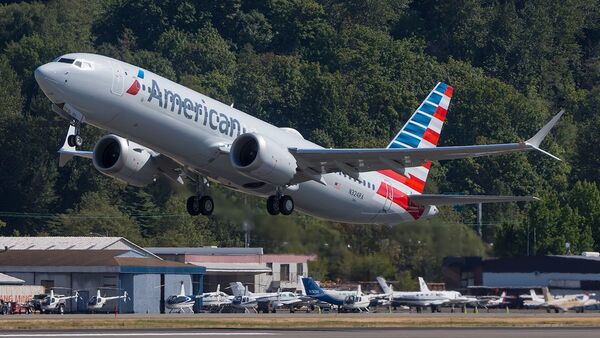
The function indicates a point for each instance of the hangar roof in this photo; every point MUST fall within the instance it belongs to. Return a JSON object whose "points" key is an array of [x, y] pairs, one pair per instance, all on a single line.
{"points": [[72, 243], [206, 251], [89, 261]]}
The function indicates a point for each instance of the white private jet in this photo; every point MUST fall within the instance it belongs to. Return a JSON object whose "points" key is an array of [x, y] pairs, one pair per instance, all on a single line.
{"points": [[98, 301], [158, 127]]}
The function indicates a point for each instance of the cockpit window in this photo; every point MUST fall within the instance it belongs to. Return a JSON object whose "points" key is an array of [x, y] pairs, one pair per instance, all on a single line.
{"points": [[83, 64], [66, 60]]}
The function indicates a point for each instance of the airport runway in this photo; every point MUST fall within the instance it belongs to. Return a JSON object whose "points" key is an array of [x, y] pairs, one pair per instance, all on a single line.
{"points": [[338, 333]]}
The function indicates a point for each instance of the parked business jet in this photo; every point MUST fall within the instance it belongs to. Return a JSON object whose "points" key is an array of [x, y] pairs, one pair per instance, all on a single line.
{"points": [[159, 127]]}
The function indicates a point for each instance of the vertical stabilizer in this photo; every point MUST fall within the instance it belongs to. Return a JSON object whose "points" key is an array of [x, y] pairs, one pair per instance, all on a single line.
{"points": [[422, 285], [422, 130], [383, 285]]}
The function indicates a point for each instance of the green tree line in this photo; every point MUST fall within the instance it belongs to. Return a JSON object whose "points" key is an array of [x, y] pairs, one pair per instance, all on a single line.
{"points": [[345, 74]]}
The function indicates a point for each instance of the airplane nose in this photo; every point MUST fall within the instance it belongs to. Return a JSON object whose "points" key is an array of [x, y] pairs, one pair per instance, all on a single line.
{"points": [[44, 73], [47, 78]]}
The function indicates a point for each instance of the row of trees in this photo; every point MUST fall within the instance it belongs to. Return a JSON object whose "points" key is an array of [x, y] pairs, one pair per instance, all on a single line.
{"points": [[344, 74]]}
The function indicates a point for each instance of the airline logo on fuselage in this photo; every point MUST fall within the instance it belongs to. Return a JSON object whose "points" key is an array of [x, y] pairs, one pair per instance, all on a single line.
{"points": [[194, 111]]}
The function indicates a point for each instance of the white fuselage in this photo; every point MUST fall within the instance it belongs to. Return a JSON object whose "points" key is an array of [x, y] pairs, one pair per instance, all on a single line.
{"points": [[190, 127]]}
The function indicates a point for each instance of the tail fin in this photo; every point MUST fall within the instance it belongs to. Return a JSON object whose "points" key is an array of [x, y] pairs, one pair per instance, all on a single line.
{"points": [[422, 131], [359, 290], [182, 289], [312, 289], [383, 284], [547, 294], [422, 285], [237, 289], [502, 296], [534, 296], [300, 287]]}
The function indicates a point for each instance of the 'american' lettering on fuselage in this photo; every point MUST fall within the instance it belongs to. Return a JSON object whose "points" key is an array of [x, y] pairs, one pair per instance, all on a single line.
{"points": [[198, 112]]}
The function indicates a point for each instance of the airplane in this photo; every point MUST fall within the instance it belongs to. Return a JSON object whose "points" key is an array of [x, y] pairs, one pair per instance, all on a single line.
{"points": [[354, 301], [56, 303], [425, 297], [158, 127], [264, 301], [577, 302], [489, 302], [532, 300], [215, 300], [180, 303], [97, 302]]}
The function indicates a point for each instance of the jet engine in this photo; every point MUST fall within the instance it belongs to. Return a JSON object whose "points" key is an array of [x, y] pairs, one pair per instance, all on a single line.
{"points": [[261, 158], [126, 160]]}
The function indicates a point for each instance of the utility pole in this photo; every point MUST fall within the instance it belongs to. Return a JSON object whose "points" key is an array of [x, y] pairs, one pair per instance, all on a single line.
{"points": [[246, 228], [479, 217]]}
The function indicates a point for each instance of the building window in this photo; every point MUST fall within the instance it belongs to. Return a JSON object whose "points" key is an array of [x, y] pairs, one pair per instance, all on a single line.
{"points": [[284, 274], [270, 267], [300, 269], [47, 284]]}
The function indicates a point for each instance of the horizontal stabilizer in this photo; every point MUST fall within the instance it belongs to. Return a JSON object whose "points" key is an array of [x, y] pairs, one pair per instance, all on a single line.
{"points": [[434, 199]]}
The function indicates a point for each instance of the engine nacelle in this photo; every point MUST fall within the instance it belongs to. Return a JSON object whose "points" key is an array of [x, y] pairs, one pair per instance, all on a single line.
{"points": [[261, 158], [126, 160]]}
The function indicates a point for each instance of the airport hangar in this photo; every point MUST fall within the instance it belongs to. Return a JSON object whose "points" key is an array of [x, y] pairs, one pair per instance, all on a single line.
{"points": [[563, 274], [251, 266], [88, 263]]}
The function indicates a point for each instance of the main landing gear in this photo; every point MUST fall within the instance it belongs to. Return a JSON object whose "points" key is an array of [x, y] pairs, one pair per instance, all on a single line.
{"points": [[75, 140], [279, 203], [200, 203]]}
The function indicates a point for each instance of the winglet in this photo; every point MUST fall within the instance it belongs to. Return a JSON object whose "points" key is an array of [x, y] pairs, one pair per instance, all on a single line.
{"points": [[537, 139]]}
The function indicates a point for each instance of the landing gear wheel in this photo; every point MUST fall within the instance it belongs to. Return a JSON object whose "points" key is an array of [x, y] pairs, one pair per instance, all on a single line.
{"points": [[207, 206], [273, 205], [78, 140], [200, 205], [71, 140], [286, 205], [193, 206]]}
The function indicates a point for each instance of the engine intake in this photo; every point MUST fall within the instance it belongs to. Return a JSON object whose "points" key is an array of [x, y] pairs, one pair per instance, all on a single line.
{"points": [[126, 160], [261, 158]]}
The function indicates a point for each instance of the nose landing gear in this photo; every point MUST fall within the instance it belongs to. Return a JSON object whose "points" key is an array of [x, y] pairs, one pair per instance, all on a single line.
{"points": [[75, 140]]}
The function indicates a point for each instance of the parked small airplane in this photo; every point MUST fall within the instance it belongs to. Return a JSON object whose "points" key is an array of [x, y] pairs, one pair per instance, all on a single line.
{"points": [[489, 302], [216, 300], [532, 300], [576, 302], [350, 301], [263, 301], [97, 302], [56, 303], [153, 123], [425, 297], [181, 303]]}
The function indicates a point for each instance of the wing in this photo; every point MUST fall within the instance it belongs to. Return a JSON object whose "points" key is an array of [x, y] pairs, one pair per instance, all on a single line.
{"points": [[314, 162], [433, 199]]}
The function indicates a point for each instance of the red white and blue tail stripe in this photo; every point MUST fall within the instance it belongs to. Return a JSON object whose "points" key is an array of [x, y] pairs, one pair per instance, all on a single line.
{"points": [[421, 131]]}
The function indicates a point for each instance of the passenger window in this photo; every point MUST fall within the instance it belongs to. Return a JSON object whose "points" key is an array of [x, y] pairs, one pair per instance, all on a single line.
{"points": [[78, 64]]}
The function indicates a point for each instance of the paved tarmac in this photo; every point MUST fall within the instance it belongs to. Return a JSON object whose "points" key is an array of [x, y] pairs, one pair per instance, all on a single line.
{"points": [[341, 333]]}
